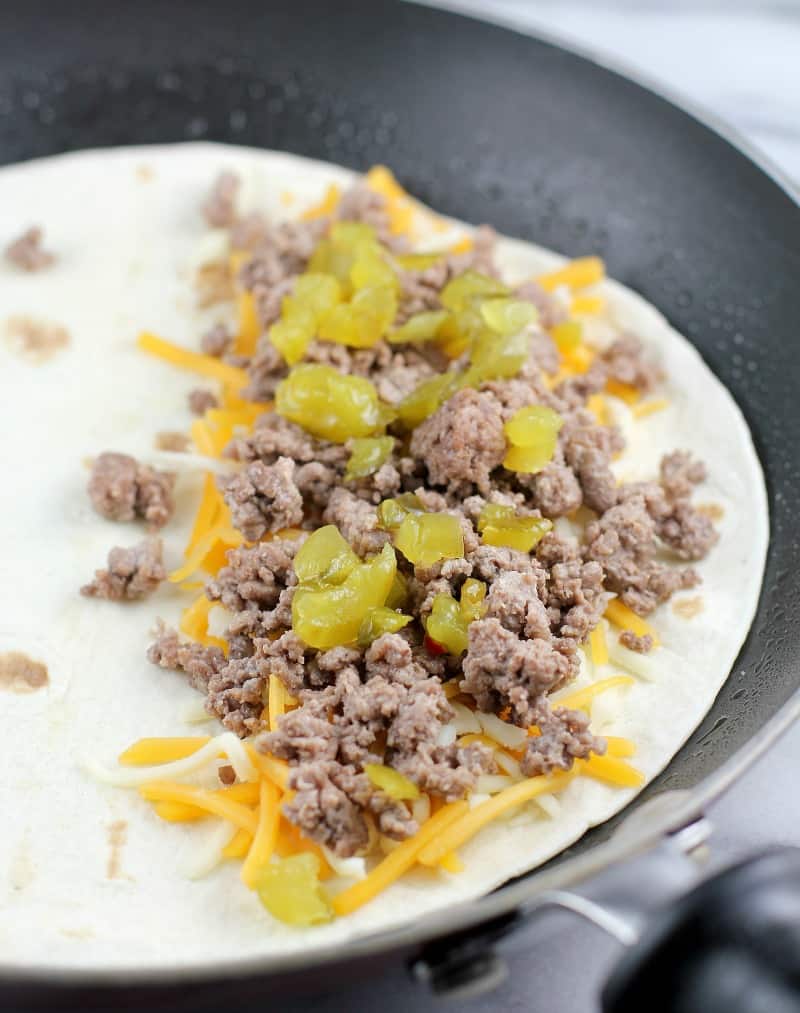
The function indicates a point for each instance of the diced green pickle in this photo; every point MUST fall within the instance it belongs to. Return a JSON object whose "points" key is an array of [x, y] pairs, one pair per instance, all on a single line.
{"points": [[472, 603], [379, 621], [329, 404], [468, 288], [428, 397], [496, 357], [361, 322], [418, 261], [459, 331], [507, 316], [331, 617], [318, 292], [446, 624], [293, 332], [421, 327], [499, 525], [325, 557], [290, 890], [533, 433], [395, 784], [426, 538], [367, 455], [398, 595], [392, 512], [370, 269]]}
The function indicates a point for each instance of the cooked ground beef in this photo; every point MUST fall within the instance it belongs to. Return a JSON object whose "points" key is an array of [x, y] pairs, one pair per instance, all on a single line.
{"points": [[198, 662], [220, 206], [122, 489], [639, 644], [263, 498], [386, 703], [216, 341], [27, 253], [462, 442], [564, 736], [200, 400], [132, 573]]}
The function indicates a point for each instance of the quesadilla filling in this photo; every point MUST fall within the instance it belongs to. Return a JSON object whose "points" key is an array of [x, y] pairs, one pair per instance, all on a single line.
{"points": [[411, 540]]}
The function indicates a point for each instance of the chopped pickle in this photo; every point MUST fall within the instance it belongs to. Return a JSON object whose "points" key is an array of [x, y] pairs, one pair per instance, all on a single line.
{"points": [[507, 316], [370, 269], [337, 253], [467, 288], [446, 624], [325, 557], [567, 335], [418, 261], [332, 616], [318, 292], [290, 890], [293, 332], [378, 621], [395, 784], [361, 322], [499, 525], [449, 620], [459, 331], [496, 357], [367, 455], [533, 433], [398, 595], [428, 397], [473, 593], [426, 538], [328, 404], [392, 512], [420, 327]]}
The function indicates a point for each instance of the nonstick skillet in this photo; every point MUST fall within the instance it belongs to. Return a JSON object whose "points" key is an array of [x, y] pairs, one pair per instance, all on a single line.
{"points": [[489, 125]]}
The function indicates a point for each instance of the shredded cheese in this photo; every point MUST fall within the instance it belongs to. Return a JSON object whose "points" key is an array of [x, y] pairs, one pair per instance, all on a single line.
{"points": [[613, 771], [619, 747], [166, 750], [205, 365], [400, 207], [266, 834], [624, 391], [213, 802], [208, 553], [596, 404], [249, 323], [183, 812], [644, 408], [276, 702], [239, 844], [620, 615], [598, 645], [463, 829], [206, 513], [579, 273], [327, 206], [270, 767], [464, 245], [451, 863], [580, 699], [398, 861], [587, 305]]}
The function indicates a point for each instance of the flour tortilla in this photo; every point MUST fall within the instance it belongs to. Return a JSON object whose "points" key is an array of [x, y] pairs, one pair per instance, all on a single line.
{"points": [[88, 876]]}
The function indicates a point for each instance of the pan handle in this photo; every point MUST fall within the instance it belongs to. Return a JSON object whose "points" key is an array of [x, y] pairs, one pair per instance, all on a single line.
{"points": [[731, 945]]}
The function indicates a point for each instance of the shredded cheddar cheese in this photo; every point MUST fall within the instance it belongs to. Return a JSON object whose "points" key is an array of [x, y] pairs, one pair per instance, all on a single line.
{"points": [[206, 513], [642, 409], [624, 391], [270, 767], [587, 305], [167, 791], [400, 206], [327, 206], [581, 698], [249, 323], [464, 245], [620, 615], [400, 860], [146, 752], [277, 701], [205, 365], [238, 845], [598, 645], [596, 404], [621, 748], [612, 770], [577, 274], [265, 836]]}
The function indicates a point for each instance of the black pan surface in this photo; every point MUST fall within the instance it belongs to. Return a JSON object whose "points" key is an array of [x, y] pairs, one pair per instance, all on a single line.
{"points": [[486, 125]]}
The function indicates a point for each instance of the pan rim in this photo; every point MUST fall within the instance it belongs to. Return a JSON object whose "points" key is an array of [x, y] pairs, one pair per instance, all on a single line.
{"points": [[688, 803]]}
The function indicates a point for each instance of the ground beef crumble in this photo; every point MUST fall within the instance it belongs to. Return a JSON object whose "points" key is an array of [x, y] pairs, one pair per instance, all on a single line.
{"points": [[131, 573], [386, 703], [122, 489]]}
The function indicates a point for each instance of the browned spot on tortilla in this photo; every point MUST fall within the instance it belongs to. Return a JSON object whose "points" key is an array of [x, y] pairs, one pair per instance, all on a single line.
{"points": [[36, 340], [714, 511], [688, 608], [213, 283], [117, 838], [176, 442], [145, 173], [21, 674]]}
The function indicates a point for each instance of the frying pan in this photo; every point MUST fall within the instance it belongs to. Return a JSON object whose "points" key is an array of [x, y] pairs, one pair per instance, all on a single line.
{"points": [[545, 144]]}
